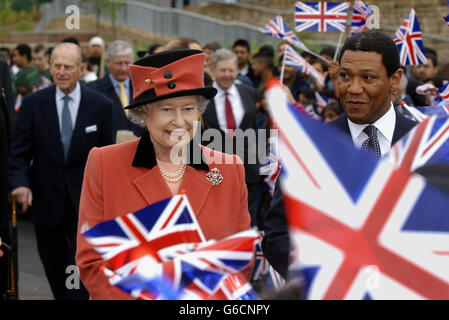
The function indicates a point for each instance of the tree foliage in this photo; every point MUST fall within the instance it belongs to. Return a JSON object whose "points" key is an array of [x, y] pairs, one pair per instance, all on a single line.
{"points": [[108, 7], [27, 5]]}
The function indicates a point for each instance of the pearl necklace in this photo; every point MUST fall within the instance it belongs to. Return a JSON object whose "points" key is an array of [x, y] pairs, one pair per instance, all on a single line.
{"points": [[173, 176]]}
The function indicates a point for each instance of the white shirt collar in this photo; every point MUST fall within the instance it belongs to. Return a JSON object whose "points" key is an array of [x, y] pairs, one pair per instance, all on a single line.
{"points": [[232, 89], [385, 125], [74, 94]]}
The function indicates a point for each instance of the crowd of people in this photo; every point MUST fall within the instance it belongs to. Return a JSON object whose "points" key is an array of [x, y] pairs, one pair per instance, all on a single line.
{"points": [[59, 104]]}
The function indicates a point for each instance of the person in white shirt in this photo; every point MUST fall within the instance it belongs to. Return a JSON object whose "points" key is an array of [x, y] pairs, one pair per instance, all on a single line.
{"points": [[234, 107]]}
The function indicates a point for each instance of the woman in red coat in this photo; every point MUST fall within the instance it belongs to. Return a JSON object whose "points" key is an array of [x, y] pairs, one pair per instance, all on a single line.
{"points": [[169, 96]]}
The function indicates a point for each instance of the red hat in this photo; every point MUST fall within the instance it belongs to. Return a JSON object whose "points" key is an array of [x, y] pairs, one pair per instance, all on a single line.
{"points": [[169, 74]]}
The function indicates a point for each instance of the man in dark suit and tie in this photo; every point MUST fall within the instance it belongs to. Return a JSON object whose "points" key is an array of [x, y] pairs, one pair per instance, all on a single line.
{"points": [[116, 85], [234, 107], [370, 72], [55, 129]]}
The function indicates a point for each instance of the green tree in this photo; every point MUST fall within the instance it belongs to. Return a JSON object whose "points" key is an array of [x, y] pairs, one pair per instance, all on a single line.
{"points": [[109, 7], [5, 13], [27, 5]]}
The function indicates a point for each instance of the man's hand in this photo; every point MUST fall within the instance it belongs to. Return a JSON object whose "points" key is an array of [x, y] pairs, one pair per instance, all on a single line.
{"points": [[23, 196], [1, 252]]}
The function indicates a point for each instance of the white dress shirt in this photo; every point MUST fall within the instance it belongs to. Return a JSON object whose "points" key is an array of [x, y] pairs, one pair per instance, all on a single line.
{"points": [[236, 102], [385, 130], [74, 104]]}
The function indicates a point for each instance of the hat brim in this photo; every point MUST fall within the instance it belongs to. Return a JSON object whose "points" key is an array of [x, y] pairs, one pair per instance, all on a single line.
{"points": [[148, 97], [141, 53]]}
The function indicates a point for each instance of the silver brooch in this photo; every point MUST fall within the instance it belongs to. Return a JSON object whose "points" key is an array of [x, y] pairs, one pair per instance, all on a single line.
{"points": [[214, 176]]}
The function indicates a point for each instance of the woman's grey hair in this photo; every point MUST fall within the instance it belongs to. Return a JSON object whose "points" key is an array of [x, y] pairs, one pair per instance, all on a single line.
{"points": [[137, 114], [120, 48], [223, 55]]}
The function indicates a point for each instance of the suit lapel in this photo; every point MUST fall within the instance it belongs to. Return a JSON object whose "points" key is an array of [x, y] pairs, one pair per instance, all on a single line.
{"points": [[246, 121], [81, 122], [146, 186], [109, 87], [211, 119], [403, 125], [50, 114]]}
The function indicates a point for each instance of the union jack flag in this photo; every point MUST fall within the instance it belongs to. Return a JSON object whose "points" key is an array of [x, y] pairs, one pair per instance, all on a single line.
{"points": [[169, 227], [272, 167], [321, 16], [279, 29], [261, 265], [421, 113], [361, 228], [427, 143], [409, 41], [321, 102], [294, 59], [444, 92], [209, 272], [274, 281], [360, 15]]}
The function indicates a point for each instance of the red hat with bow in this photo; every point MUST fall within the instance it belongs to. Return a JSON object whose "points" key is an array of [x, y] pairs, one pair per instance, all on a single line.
{"points": [[169, 74]]}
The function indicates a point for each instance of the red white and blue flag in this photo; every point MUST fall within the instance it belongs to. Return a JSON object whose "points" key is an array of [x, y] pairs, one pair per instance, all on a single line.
{"points": [[444, 92], [421, 113], [261, 264], [294, 59], [408, 39], [211, 271], [169, 227], [361, 228], [272, 167], [279, 29], [360, 15], [427, 143], [321, 102], [446, 17], [321, 16]]}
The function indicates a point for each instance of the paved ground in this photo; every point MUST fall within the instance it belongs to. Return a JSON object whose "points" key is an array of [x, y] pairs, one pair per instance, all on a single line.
{"points": [[33, 284]]}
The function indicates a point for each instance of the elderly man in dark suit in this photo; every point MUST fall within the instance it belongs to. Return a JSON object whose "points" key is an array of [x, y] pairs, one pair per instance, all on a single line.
{"points": [[369, 74], [117, 86], [234, 107], [55, 129]]}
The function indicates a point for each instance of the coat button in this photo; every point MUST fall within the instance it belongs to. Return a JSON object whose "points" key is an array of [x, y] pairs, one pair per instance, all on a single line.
{"points": [[168, 75], [171, 85]]}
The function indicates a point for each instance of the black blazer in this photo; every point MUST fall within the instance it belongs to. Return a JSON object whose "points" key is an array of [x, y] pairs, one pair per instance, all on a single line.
{"points": [[210, 121], [276, 242], [37, 156], [121, 121], [402, 126]]}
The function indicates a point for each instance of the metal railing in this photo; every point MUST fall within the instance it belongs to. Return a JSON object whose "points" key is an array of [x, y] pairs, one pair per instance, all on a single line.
{"points": [[172, 22]]}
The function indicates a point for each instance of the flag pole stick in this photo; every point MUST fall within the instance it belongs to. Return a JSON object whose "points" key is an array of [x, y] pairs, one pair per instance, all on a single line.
{"points": [[282, 68], [340, 38], [317, 55]]}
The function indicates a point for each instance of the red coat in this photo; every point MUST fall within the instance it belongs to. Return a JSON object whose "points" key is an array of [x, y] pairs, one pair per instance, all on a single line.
{"points": [[113, 187]]}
